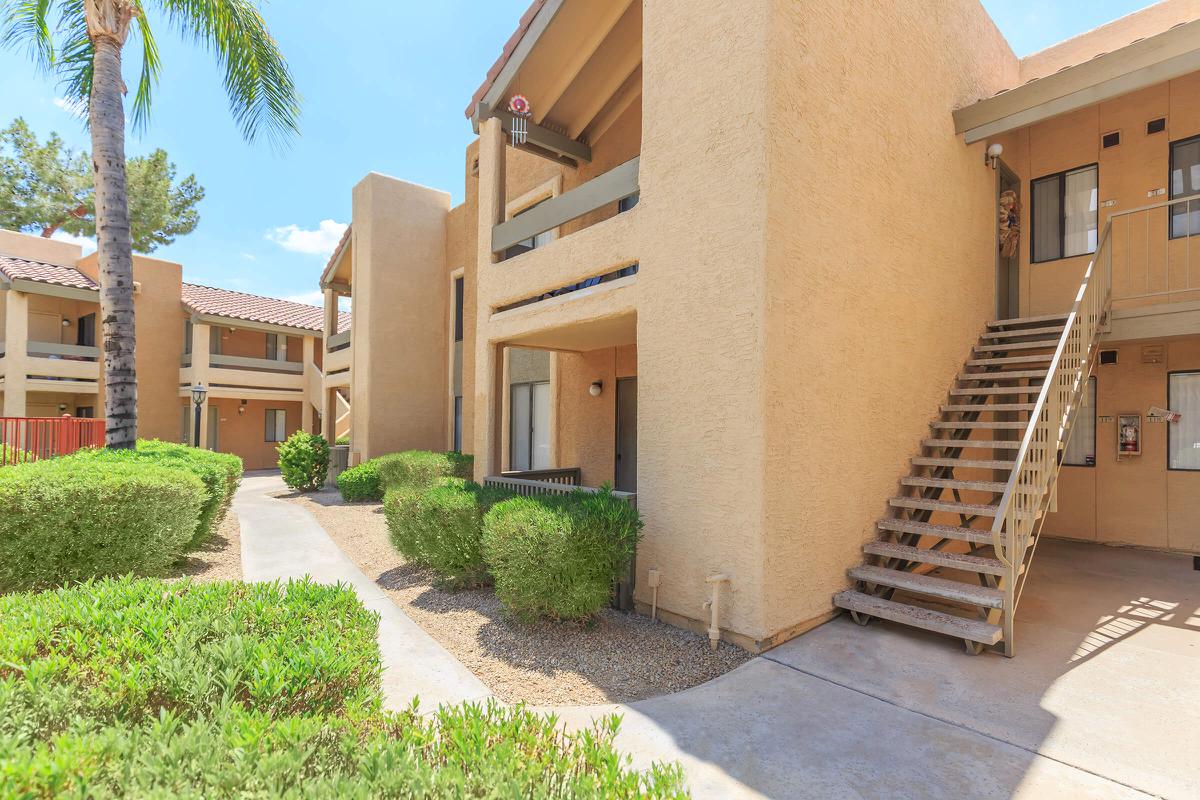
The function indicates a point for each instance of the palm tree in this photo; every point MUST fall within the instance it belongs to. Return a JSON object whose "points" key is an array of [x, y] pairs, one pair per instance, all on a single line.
{"points": [[82, 41]]}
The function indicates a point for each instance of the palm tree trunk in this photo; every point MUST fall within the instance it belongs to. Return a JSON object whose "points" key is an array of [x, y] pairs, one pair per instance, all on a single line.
{"points": [[113, 243]]}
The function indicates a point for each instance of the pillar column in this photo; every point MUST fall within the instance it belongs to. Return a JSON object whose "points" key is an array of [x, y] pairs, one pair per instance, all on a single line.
{"points": [[16, 341], [312, 378], [488, 355]]}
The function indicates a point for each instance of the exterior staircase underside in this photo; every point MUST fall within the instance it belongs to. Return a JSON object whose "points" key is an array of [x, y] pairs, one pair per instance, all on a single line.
{"points": [[934, 565]]}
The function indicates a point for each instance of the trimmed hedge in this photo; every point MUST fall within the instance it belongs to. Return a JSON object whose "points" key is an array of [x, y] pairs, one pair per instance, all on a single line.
{"points": [[441, 527], [304, 461], [420, 468], [138, 688], [221, 474], [14, 454], [360, 483], [68, 519], [558, 556]]}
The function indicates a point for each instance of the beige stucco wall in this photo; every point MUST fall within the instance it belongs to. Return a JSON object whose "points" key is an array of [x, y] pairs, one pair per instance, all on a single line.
{"points": [[35, 248], [586, 430], [401, 297], [1126, 174]]}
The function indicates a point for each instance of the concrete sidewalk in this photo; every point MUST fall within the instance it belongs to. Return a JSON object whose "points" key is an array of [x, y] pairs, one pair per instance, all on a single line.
{"points": [[282, 540], [844, 712]]}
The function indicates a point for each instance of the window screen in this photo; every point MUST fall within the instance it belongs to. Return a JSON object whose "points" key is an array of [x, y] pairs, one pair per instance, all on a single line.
{"points": [[1081, 447], [1065, 215], [1183, 437], [1185, 181], [276, 425]]}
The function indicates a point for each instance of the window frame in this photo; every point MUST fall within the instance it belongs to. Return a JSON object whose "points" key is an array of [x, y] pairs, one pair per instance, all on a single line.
{"points": [[274, 414], [1062, 212], [1170, 190], [1094, 389], [1170, 406]]}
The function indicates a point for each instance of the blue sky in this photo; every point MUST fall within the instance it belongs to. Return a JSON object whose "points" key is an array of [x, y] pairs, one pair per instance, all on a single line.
{"points": [[384, 86]]}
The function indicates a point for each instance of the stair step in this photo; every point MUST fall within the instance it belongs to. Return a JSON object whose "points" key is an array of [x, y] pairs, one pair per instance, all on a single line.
{"points": [[949, 506], [995, 362], [952, 483], [972, 535], [1011, 334], [973, 444], [1003, 323], [1008, 375], [946, 461], [986, 390], [953, 425], [1003, 346], [956, 591], [924, 618], [960, 561], [953, 409]]}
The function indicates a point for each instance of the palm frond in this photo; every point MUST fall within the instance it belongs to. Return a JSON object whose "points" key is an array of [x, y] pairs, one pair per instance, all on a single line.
{"points": [[262, 94], [74, 61], [26, 23], [151, 69]]}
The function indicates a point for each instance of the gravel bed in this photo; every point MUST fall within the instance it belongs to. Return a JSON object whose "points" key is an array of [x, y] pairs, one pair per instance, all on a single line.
{"points": [[220, 559], [616, 658]]}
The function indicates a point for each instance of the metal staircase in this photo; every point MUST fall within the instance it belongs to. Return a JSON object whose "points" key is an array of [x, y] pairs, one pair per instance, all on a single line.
{"points": [[954, 553]]}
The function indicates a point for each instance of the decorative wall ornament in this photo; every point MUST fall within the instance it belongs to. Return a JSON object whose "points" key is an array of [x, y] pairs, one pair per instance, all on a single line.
{"points": [[518, 106], [1010, 223]]}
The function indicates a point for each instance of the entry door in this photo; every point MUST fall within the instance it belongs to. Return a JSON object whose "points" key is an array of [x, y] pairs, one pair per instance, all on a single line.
{"points": [[626, 477], [1008, 260], [214, 419]]}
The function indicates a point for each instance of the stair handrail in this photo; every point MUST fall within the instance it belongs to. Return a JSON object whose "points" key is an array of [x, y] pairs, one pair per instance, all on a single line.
{"points": [[1036, 466]]}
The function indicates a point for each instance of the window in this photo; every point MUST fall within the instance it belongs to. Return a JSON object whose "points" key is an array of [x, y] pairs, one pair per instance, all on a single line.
{"points": [[85, 331], [458, 309], [1183, 437], [534, 242], [276, 430], [187, 337], [1064, 214], [529, 423], [1185, 181], [457, 424], [276, 347], [85, 412], [1081, 447]]}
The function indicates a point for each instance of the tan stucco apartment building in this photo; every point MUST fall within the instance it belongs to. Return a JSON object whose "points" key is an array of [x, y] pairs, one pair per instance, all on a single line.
{"points": [[805, 279], [258, 358]]}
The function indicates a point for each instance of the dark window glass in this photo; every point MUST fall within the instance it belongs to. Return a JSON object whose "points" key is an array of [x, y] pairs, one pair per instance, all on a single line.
{"points": [[458, 424], [458, 309], [85, 331], [276, 425], [1185, 181], [626, 203], [1065, 214]]}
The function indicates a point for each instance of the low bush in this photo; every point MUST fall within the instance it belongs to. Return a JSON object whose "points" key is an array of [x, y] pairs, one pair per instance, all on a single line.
{"points": [[342, 440], [221, 474], [304, 461], [67, 519], [360, 482], [139, 688], [558, 556], [441, 527], [419, 468], [11, 454]]}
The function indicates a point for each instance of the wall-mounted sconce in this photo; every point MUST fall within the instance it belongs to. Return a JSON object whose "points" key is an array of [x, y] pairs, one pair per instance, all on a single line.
{"points": [[242, 408], [596, 388], [66, 323], [62, 407], [994, 151]]}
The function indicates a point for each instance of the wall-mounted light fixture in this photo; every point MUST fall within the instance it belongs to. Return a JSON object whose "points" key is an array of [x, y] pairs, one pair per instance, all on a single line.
{"points": [[242, 408], [994, 151], [596, 388], [66, 322], [62, 407]]}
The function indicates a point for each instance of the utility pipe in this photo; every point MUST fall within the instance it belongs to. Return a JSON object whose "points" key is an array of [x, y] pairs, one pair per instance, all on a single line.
{"points": [[714, 629]]}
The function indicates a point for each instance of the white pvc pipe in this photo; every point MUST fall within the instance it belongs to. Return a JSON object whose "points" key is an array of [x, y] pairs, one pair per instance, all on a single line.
{"points": [[714, 628]]}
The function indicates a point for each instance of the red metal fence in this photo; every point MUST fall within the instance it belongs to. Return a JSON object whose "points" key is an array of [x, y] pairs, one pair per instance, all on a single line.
{"points": [[33, 438]]}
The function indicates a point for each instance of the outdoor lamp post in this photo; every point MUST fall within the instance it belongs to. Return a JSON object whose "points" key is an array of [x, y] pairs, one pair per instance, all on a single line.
{"points": [[198, 395]]}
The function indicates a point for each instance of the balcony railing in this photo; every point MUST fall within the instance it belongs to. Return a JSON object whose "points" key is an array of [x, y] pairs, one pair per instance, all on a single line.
{"points": [[1152, 249], [339, 341], [615, 185], [33, 438], [74, 352], [259, 364]]}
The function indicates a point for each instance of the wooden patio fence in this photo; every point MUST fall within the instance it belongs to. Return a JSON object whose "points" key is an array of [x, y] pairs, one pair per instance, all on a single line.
{"points": [[34, 438]]}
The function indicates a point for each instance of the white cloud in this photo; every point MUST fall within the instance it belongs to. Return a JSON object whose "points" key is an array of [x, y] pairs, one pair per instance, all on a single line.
{"points": [[73, 107], [319, 242], [86, 242], [313, 298], [249, 256]]}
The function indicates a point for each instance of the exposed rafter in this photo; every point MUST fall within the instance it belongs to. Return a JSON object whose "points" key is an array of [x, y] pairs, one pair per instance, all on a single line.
{"points": [[581, 56]]}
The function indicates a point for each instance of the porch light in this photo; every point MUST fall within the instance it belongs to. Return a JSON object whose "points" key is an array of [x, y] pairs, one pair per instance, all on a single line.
{"points": [[995, 149], [198, 395], [596, 388]]}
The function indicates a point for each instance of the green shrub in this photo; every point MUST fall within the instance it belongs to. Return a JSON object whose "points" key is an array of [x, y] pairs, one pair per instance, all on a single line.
{"points": [[304, 461], [68, 519], [558, 556], [221, 474], [11, 454], [360, 483], [419, 468], [138, 688], [342, 440], [441, 527]]}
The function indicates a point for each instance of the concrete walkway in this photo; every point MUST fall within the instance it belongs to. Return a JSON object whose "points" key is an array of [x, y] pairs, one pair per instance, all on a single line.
{"points": [[282, 540], [876, 712]]}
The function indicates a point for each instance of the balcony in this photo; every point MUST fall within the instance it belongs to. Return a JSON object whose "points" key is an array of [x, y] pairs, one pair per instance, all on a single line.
{"points": [[54, 367]]}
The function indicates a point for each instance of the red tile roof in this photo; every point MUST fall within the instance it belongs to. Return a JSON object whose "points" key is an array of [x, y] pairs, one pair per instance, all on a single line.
{"points": [[255, 308], [509, 48], [15, 268]]}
